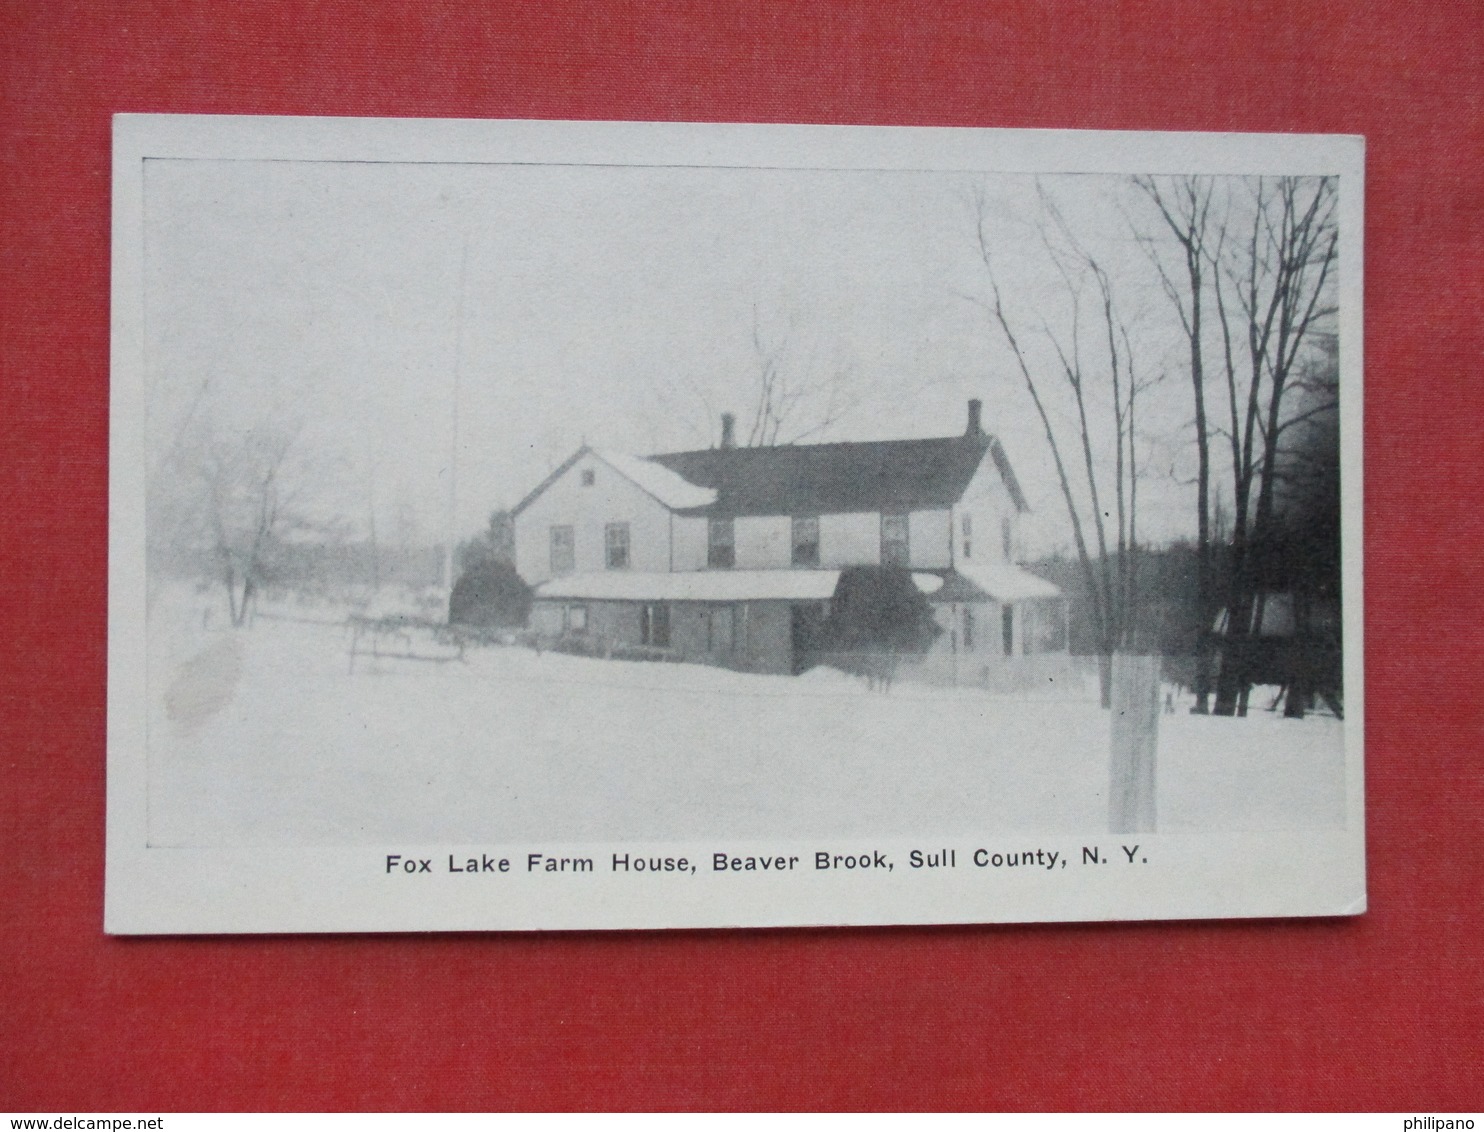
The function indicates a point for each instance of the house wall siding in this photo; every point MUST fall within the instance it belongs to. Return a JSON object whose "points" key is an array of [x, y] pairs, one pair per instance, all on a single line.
{"points": [[927, 539], [688, 629], [764, 542], [988, 504], [849, 540], [767, 643], [546, 618], [614, 622], [985, 665], [763, 641], [611, 499], [690, 543]]}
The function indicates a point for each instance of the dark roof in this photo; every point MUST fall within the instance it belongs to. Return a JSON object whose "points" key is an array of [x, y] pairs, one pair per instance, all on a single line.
{"points": [[878, 475]]}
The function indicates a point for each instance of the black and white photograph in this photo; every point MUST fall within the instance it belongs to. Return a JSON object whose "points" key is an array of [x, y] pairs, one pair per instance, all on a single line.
{"points": [[582, 525]]}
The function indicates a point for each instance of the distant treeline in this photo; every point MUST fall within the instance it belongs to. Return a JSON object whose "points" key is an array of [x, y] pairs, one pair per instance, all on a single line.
{"points": [[1166, 618], [318, 567]]}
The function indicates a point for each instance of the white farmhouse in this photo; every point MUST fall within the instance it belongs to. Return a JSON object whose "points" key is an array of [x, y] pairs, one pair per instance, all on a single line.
{"points": [[731, 555]]}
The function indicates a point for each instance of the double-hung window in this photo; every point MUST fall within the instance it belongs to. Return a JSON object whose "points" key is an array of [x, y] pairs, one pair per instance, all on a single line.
{"points": [[805, 541], [563, 550], [721, 544], [894, 540], [616, 543]]}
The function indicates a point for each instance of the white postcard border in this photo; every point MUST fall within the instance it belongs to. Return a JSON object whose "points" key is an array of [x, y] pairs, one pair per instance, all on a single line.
{"points": [[316, 889]]}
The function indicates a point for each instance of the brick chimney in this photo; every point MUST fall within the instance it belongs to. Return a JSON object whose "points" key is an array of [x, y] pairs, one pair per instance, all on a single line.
{"points": [[975, 405], [729, 430]]}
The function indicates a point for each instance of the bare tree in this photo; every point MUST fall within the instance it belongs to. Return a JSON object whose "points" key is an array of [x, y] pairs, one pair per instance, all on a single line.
{"points": [[1098, 499], [239, 496], [1184, 205], [1273, 285], [793, 400]]}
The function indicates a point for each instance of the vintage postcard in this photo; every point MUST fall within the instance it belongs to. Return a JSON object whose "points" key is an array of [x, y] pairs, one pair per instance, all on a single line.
{"points": [[558, 525]]}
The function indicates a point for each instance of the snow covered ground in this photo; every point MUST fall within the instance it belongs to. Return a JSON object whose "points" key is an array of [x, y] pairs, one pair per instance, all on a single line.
{"points": [[270, 735]]}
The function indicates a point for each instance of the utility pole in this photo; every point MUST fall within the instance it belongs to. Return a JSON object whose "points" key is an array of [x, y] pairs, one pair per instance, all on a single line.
{"points": [[451, 524]]}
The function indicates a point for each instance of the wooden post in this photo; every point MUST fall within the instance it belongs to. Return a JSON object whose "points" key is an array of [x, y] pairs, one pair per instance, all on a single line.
{"points": [[1134, 741]]}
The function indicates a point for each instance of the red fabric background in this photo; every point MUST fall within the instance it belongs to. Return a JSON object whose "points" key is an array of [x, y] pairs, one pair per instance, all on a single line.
{"points": [[1382, 1011]]}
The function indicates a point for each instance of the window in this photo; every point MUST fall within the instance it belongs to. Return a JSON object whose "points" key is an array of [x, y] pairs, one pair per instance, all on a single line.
{"points": [[589, 477], [967, 523], [894, 540], [563, 550], [575, 619], [1007, 538], [968, 629], [654, 624], [1007, 629], [721, 545], [806, 542], [616, 542]]}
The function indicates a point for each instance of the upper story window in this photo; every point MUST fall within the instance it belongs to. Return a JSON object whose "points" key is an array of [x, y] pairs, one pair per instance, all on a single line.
{"points": [[589, 477], [616, 545], [967, 525], [806, 541], [894, 550], [1007, 538], [563, 550], [721, 544]]}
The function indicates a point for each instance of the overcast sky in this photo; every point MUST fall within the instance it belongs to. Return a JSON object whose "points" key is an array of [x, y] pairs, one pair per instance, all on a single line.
{"points": [[616, 306]]}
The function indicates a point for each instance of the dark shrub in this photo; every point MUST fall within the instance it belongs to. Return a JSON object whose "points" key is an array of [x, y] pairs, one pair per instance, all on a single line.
{"points": [[877, 614], [490, 593]]}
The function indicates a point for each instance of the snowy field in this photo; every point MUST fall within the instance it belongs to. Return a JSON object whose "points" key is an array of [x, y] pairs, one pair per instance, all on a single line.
{"points": [[266, 735]]}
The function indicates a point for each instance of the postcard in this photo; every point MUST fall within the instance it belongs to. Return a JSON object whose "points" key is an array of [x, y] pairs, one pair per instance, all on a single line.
{"points": [[574, 525]]}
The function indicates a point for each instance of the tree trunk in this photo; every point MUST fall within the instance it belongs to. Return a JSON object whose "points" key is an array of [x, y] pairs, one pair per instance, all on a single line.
{"points": [[1231, 682], [1300, 663], [1134, 743], [1202, 685], [1201, 681]]}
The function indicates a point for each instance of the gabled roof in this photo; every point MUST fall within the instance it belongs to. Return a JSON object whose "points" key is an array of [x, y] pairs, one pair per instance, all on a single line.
{"points": [[659, 481], [655, 479], [1002, 581], [556, 474], [804, 479], [877, 475]]}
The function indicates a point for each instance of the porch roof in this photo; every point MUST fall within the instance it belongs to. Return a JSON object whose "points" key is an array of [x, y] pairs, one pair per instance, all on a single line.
{"points": [[694, 585], [705, 585], [998, 581]]}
